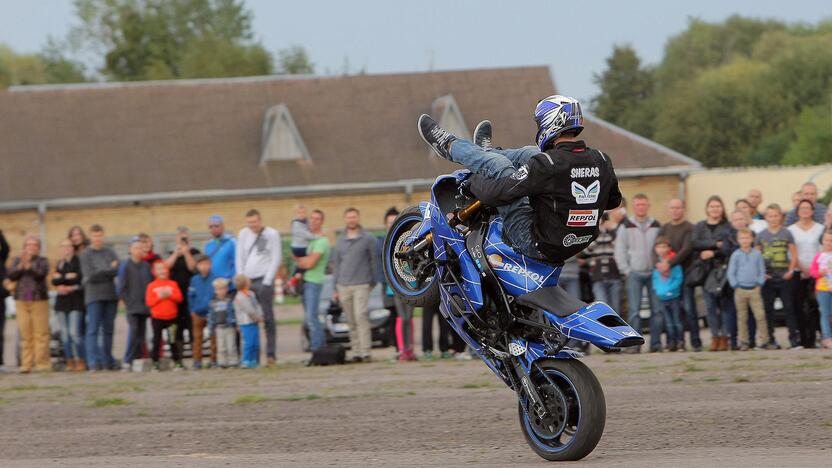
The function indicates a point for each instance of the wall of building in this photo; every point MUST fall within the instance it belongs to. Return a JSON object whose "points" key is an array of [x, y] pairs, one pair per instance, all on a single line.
{"points": [[161, 221], [659, 189], [776, 183]]}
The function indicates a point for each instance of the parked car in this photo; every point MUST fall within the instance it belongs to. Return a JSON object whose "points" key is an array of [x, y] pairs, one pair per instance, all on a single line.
{"points": [[335, 323]]}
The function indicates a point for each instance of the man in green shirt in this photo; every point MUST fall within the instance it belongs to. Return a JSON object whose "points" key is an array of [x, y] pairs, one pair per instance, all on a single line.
{"points": [[315, 262]]}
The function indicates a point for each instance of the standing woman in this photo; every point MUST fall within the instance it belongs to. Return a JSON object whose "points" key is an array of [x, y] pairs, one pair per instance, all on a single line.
{"points": [[79, 239], [806, 233], [69, 304], [29, 272], [707, 243]]}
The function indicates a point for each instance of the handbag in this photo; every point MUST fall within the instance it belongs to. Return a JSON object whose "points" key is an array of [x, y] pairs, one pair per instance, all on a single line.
{"points": [[717, 279], [697, 273]]}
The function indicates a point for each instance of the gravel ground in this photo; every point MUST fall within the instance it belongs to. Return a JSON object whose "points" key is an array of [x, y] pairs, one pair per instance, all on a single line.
{"points": [[673, 409]]}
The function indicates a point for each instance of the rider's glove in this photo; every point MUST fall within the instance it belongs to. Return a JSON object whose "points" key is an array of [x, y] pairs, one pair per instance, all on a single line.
{"points": [[465, 189]]}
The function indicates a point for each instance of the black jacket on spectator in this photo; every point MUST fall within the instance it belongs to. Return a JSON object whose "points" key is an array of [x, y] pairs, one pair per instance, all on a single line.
{"points": [[679, 236], [31, 282], [601, 255], [705, 237], [4, 257], [137, 276], [70, 272]]}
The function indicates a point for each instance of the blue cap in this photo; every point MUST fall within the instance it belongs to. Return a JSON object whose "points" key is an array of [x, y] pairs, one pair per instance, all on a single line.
{"points": [[215, 219], [134, 240]]}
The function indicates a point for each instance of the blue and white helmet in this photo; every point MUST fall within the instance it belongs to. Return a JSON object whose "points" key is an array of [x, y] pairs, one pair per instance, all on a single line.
{"points": [[557, 114]]}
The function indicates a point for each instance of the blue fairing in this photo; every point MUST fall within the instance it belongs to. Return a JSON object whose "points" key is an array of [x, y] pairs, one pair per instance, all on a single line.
{"points": [[586, 325], [518, 273]]}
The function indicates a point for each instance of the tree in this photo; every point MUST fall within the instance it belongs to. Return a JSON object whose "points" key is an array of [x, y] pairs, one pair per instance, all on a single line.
{"points": [[294, 60], [626, 87], [739, 92], [28, 69], [718, 117], [160, 39], [813, 136]]}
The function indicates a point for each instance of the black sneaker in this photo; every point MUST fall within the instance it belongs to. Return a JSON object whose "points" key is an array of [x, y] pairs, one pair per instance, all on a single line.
{"points": [[482, 135], [437, 137]]}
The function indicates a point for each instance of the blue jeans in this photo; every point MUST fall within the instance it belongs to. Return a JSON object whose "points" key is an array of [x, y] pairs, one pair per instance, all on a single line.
{"points": [[672, 311], [72, 323], [518, 216], [691, 315], [128, 349], [825, 304], [101, 318], [635, 284], [608, 292], [311, 306], [251, 344], [716, 320]]}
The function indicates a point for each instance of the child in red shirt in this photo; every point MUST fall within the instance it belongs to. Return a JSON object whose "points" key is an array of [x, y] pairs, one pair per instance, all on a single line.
{"points": [[163, 297]]}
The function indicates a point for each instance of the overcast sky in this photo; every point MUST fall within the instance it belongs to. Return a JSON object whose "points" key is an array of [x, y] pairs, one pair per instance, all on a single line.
{"points": [[574, 38]]}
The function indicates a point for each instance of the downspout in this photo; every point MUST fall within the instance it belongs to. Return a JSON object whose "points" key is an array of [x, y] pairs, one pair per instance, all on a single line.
{"points": [[683, 177], [42, 227], [408, 192]]}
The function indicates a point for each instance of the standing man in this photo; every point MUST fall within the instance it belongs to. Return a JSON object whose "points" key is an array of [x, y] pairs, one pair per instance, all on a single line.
{"points": [[222, 249], [808, 191], [4, 257], [182, 266], [755, 199], [634, 257], [258, 258], [678, 232], [355, 266], [99, 266], [314, 263]]}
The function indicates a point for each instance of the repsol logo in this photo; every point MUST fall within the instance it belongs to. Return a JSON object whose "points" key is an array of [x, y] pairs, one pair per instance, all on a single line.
{"points": [[521, 271], [585, 172]]}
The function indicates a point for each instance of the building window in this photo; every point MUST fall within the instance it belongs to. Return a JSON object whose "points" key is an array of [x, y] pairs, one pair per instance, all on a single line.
{"points": [[281, 140]]}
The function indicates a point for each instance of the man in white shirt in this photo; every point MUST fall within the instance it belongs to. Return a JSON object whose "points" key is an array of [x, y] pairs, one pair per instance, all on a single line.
{"points": [[258, 257]]}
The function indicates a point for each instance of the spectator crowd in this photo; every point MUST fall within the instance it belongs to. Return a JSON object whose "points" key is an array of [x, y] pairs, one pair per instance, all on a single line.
{"points": [[752, 263]]}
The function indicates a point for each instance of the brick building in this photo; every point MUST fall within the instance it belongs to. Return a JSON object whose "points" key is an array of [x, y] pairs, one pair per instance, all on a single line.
{"points": [[151, 156]]}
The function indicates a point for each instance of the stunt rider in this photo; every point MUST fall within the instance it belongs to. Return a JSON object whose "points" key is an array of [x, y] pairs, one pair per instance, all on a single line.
{"points": [[550, 196]]}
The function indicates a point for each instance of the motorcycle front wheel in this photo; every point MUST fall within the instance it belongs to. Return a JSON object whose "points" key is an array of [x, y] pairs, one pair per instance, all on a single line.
{"points": [[576, 411], [413, 280]]}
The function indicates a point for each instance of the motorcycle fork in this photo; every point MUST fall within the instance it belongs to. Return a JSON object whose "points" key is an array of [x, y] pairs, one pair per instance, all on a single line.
{"points": [[534, 402]]}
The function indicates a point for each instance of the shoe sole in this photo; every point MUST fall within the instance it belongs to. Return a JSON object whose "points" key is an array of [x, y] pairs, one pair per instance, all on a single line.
{"points": [[419, 129], [477, 130]]}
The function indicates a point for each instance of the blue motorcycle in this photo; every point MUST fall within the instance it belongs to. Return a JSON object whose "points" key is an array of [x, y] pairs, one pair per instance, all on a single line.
{"points": [[508, 308]]}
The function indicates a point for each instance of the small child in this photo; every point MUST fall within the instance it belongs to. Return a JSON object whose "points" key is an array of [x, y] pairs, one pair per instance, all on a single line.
{"points": [[248, 313], [200, 293], [163, 297], [221, 323], [669, 291], [747, 274], [301, 236], [821, 270]]}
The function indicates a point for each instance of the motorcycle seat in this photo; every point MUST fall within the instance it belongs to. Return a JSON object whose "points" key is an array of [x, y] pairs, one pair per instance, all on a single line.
{"points": [[553, 299]]}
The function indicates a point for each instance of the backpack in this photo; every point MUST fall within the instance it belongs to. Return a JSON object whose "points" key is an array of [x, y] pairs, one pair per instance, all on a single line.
{"points": [[327, 355]]}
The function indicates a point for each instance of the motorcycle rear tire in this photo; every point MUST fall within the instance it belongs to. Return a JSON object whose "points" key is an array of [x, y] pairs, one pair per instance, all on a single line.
{"points": [[428, 297]]}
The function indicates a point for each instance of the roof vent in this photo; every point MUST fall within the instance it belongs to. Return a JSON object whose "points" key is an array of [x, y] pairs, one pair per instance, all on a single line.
{"points": [[450, 118], [281, 139]]}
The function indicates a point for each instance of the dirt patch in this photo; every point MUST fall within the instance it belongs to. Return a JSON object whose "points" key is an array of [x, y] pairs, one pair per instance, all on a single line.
{"points": [[706, 409]]}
